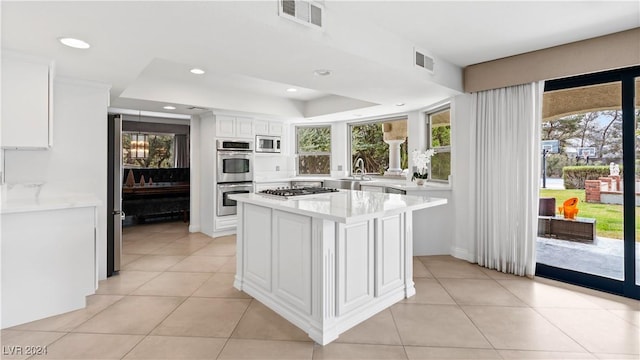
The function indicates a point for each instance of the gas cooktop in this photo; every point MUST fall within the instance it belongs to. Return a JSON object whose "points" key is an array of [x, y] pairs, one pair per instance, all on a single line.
{"points": [[297, 193]]}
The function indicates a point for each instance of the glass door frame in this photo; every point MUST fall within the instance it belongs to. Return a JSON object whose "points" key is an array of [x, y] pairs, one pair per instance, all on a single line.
{"points": [[627, 287]]}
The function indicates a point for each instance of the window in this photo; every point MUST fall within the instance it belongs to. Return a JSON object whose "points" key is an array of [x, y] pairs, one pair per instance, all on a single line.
{"points": [[382, 145], [144, 150], [313, 148], [439, 139]]}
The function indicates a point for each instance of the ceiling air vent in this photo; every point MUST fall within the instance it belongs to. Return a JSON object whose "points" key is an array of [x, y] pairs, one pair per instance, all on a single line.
{"points": [[195, 108], [304, 12], [423, 61]]}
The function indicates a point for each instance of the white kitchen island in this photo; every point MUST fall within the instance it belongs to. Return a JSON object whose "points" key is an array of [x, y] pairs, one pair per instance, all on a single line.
{"points": [[327, 262]]}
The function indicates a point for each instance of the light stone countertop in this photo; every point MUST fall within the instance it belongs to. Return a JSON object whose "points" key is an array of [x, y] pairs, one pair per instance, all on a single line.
{"points": [[287, 179], [22, 198], [392, 183], [345, 206], [409, 186]]}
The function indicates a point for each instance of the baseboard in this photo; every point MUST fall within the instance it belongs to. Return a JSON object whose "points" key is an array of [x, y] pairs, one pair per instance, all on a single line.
{"points": [[194, 228], [463, 254], [224, 233]]}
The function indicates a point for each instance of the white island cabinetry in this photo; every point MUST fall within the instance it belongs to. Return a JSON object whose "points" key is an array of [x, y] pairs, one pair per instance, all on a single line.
{"points": [[329, 262]]}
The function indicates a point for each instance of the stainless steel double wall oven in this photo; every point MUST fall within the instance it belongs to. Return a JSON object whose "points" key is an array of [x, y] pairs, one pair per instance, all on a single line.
{"points": [[234, 173]]}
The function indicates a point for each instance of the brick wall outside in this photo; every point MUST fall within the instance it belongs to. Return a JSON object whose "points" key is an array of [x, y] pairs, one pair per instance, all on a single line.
{"points": [[607, 182], [592, 191], [616, 182]]}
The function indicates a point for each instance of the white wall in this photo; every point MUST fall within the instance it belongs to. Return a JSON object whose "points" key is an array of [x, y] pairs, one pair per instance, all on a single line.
{"points": [[433, 228], [194, 175], [339, 149], [272, 166], [77, 162], [462, 155], [207, 165]]}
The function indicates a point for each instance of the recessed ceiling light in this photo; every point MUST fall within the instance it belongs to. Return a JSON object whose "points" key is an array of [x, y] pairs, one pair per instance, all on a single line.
{"points": [[74, 43], [292, 90], [169, 107], [400, 104], [322, 72], [197, 71]]}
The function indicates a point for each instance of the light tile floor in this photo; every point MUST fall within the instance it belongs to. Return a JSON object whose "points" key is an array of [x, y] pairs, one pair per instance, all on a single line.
{"points": [[174, 299]]}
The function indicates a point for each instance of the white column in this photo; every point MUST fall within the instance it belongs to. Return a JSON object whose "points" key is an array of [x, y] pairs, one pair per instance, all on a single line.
{"points": [[394, 157]]}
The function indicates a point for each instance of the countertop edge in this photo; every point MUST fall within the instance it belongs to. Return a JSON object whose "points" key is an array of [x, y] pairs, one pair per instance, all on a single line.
{"points": [[46, 205], [375, 182], [271, 203]]}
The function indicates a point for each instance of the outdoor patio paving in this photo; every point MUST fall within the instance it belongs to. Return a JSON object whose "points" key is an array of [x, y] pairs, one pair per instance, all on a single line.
{"points": [[604, 257]]}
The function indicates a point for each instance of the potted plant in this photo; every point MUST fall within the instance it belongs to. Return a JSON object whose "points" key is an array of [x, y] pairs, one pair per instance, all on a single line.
{"points": [[421, 160]]}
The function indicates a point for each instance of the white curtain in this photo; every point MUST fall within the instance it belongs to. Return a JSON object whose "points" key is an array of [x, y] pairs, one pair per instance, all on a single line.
{"points": [[507, 175]]}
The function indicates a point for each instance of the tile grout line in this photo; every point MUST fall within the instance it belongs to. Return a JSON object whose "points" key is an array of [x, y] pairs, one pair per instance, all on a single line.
{"points": [[465, 313], [561, 330], [234, 329], [159, 322], [393, 318]]}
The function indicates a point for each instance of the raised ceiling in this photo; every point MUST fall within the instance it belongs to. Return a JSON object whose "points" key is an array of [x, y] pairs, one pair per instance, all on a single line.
{"points": [[251, 55]]}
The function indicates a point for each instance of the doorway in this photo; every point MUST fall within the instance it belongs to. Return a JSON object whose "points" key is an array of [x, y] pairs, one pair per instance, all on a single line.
{"points": [[588, 223]]}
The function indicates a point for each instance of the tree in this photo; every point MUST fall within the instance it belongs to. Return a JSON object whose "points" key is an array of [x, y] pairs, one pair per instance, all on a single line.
{"points": [[561, 129], [160, 152], [367, 142], [314, 150]]}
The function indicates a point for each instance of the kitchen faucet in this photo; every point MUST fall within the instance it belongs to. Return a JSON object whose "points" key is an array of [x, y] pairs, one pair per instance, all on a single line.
{"points": [[359, 167]]}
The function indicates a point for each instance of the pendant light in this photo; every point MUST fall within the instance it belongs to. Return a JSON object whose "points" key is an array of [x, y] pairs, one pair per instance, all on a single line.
{"points": [[139, 143]]}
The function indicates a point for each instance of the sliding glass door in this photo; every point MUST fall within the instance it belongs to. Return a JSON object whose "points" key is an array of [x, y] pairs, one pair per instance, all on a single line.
{"points": [[588, 222]]}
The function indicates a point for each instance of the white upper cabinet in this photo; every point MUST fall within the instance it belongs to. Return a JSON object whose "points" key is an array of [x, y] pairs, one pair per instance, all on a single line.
{"points": [[27, 102], [275, 128], [232, 126], [244, 127], [261, 127], [265, 127]]}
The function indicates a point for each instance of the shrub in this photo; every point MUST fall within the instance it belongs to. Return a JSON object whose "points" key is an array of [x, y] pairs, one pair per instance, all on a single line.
{"points": [[574, 176]]}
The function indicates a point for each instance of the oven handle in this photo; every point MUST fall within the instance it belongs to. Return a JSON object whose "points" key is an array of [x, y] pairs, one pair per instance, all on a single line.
{"points": [[234, 185], [235, 152]]}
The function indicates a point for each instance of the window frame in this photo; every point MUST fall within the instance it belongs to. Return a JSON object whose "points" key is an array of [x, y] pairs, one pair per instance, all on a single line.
{"points": [[351, 124], [438, 149], [315, 153]]}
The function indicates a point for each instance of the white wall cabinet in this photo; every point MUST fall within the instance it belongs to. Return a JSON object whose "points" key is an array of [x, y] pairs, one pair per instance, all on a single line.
{"points": [[234, 127], [265, 127], [27, 102]]}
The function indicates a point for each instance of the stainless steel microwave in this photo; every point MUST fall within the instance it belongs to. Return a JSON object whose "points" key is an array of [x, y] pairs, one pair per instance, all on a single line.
{"points": [[268, 144]]}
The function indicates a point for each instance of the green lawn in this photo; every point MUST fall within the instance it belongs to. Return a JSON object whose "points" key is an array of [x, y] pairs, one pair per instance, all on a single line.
{"points": [[608, 217]]}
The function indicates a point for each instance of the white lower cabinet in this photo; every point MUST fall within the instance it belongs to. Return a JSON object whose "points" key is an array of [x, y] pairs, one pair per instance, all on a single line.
{"points": [[291, 259], [355, 265], [257, 248], [48, 263], [390, 247]]}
